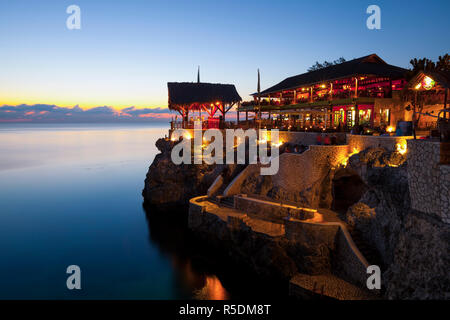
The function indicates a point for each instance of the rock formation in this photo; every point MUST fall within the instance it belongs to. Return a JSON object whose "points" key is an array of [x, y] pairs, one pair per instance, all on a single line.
{"points": [[414, 248], [168, 184]]}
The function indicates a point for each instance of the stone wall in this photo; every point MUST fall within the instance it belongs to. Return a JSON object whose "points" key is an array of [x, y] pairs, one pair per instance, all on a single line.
{"points": [[307, 138], [347, 259], [268, 210], [302, 171], [360, 142], [429, 181]]}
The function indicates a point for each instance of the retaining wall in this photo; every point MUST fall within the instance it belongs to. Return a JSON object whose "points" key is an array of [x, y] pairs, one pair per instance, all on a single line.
{"points": [[429, 180], [361, 142]]}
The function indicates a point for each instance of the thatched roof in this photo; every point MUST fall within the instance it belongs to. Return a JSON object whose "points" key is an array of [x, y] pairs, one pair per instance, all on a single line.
{"points": [[364, 66], [187, 93]]}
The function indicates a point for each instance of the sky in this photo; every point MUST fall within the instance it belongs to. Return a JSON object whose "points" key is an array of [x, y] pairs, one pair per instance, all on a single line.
{"points": [[126, 51]]}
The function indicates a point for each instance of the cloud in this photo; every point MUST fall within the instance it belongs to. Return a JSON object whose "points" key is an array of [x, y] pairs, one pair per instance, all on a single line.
{"points": [[53, 113]]}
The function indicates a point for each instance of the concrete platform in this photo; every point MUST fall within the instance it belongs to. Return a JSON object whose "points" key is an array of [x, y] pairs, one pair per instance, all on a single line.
{"points": [[326, 286]]}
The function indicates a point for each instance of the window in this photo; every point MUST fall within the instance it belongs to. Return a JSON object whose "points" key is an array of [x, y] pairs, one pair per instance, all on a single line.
{"points": [[385, 118], [365, 116], [338, 116]]}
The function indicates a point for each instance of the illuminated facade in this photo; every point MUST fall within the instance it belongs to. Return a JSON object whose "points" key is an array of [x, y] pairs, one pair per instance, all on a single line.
{"points": [[362, 92]]}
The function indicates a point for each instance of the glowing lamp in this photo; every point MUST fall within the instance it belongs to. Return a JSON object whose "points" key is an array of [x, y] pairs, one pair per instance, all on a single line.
{"points": [[401, 147], [428, 83]]}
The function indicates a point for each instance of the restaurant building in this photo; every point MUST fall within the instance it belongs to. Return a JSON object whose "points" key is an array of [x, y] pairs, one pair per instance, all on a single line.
{"points": [[364, 91]]}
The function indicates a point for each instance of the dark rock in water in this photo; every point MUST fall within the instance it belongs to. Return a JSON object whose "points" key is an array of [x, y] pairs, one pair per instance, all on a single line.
{"points": [[168, 184]]}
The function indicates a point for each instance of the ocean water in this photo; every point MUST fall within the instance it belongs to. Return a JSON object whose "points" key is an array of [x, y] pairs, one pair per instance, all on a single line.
{"points": [[71, 195]]}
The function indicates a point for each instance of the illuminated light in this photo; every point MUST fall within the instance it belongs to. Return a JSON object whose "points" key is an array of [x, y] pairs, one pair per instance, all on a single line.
{"points": [[428, 83], [401, 147], [212, 105], [323, 86], [278, 144], [217, 103], [187, 136], [390, 129], [344, 162], [173, 139], [418, 86]]}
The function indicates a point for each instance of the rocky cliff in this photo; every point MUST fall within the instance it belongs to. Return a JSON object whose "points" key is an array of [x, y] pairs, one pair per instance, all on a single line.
{"points": [[168, 185], [414, 248]]}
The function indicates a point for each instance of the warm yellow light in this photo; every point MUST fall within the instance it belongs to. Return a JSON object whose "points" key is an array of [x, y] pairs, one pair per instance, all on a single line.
{"points": [[323, 86], [278, 144], [187, 136], [390, 129], [401, 147], [417, 87], [344, 162]]}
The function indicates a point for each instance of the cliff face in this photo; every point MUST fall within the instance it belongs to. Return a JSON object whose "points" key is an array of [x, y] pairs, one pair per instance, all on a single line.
{"points": [[414, 247], [168, 185]]}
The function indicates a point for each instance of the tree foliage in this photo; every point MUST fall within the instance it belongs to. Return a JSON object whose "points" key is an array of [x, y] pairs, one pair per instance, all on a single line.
{"points": [[442, 65], [318, 65]]}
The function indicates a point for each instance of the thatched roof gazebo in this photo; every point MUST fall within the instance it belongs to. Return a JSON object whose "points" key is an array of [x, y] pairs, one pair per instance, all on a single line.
{"points": [[200, 96]]}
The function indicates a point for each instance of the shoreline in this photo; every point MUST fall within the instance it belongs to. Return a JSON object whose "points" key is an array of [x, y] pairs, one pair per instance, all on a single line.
{"points": [[282, 242]]}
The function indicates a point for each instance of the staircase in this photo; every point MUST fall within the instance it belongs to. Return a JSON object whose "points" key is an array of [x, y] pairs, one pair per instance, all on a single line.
{"points": [[222, 201]]}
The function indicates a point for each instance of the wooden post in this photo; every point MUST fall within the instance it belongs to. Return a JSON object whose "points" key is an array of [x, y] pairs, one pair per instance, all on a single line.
{"points": [[356, 87], [311, 95], [331, 91], [414, 115], [445, 99], [295, 96], [238, 107]]}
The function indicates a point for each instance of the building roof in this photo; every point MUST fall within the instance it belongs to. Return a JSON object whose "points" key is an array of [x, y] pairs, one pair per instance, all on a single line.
{"points": [[187, 93], [442, 78], [364, 66]]}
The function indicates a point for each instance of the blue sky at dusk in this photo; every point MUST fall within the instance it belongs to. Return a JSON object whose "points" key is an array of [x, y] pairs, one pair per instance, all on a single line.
{"points": [[127, 51]]}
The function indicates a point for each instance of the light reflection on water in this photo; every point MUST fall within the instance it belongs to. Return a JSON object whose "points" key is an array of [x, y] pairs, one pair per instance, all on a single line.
{"points": [[72, 195]]}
